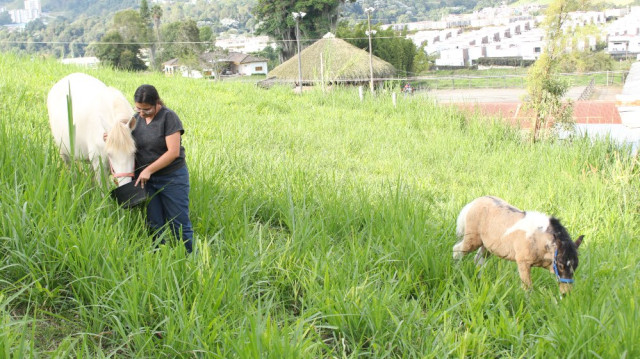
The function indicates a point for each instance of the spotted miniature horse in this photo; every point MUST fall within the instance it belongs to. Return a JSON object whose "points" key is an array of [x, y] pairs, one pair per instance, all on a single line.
{"points": [[531, 239]]}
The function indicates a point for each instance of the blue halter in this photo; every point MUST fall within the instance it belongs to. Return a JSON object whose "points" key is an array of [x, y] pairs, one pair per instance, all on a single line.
{"points": [[555, 269]]}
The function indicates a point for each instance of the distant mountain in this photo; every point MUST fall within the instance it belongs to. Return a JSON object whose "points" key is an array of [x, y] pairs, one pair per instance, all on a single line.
{"points": [[73, 8], [387, 11]]}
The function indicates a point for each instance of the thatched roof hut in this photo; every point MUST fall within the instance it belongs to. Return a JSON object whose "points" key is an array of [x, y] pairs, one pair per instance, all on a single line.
{"points": [[332, 60]]}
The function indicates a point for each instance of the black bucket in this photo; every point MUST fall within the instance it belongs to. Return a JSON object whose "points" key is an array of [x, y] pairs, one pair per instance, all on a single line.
{"points": [[129, 196]]}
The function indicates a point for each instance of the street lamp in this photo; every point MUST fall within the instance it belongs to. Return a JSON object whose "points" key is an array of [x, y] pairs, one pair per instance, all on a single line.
{"points": [[297, 16], [370, 10]]}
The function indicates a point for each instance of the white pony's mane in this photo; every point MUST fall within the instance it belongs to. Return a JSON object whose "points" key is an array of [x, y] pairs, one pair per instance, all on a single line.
{"points": [[530, 223], [119, 138]]}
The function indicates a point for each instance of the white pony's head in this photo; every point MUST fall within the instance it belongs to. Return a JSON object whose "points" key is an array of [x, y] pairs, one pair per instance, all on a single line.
{"points": [[121, 150], [120, 146]]}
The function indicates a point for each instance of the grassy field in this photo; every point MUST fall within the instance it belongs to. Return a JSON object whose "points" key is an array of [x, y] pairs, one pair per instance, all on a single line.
{"points": [[324, 225]]}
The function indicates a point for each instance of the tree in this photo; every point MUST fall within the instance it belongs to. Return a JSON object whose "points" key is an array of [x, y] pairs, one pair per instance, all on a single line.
{"points": [[35, 25], [115, 52], [182, 42], [421, 61], [120, 47], [5, 18], [396, 50], [156, 14], [545, 88], [131, 26], [207, 37], [215, 61], [145, 13], [275, 20]]}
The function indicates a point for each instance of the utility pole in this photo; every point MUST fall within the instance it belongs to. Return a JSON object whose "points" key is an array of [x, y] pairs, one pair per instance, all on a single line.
{"points": [[370, 10], [297, 16]]}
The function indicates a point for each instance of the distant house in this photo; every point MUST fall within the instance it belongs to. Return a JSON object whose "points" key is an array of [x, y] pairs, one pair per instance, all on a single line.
{"points": [[171, 67], [234, 63], [175, 66], [243, 64], [623, 44]]}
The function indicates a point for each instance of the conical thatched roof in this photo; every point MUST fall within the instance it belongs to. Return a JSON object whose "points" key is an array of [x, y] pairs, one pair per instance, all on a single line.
{"points": [[342, 62]]}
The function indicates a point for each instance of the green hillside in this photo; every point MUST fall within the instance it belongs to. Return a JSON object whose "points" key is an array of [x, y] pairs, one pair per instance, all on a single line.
{"points": [[325, 228]]}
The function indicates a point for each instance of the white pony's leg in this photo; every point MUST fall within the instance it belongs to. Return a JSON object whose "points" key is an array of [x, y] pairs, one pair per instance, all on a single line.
{"points": [[457, 250], [65, 157], [100, 167]]}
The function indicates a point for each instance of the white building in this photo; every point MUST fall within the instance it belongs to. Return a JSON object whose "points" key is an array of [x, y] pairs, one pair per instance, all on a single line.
{"points": [[518, 36], [531, 43], [32, 10], [245, 44], [624, 33], [247, 65], [453, 57]]}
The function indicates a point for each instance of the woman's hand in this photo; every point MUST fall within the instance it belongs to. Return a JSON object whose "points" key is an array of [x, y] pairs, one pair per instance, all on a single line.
{"points": [[143, 177]]}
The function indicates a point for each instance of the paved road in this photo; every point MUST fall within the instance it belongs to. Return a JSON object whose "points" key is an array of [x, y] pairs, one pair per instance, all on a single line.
{"points": [[512, 95]]}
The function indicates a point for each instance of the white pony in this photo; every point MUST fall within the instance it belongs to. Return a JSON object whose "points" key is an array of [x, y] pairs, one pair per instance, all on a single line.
{"points": [[97, 109]]}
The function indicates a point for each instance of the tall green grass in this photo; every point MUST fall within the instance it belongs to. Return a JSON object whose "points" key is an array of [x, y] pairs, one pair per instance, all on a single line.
{"points": [[324, 227]]}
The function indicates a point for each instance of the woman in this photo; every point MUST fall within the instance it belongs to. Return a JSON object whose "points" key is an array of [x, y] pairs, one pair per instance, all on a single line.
{"points": [[160, 165]]}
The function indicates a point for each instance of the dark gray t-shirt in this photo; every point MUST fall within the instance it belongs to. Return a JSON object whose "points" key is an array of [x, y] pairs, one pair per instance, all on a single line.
{"points": [[151, 142]]}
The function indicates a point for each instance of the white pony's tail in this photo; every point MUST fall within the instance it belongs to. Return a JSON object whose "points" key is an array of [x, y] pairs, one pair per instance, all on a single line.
{"points": [[462, 220]]}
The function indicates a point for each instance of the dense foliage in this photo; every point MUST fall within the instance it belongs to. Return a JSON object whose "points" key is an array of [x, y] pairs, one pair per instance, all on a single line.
{"points": [[114, 51], [276, 20], [388, 45]]}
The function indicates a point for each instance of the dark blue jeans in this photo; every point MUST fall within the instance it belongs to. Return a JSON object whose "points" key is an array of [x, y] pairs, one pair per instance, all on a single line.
{"points": [[169, 204]]}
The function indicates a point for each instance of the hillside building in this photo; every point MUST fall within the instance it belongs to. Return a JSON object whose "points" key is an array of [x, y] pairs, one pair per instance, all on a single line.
{"points": [[32, 10], [623, 38]]}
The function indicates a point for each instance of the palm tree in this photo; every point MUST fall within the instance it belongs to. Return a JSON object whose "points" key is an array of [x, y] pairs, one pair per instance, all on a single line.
{"points": [[156, 13]]}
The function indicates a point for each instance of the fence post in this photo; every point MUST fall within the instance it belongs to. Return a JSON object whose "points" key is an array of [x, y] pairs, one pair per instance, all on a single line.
{"points": [[360, 92], [394, 99]]}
